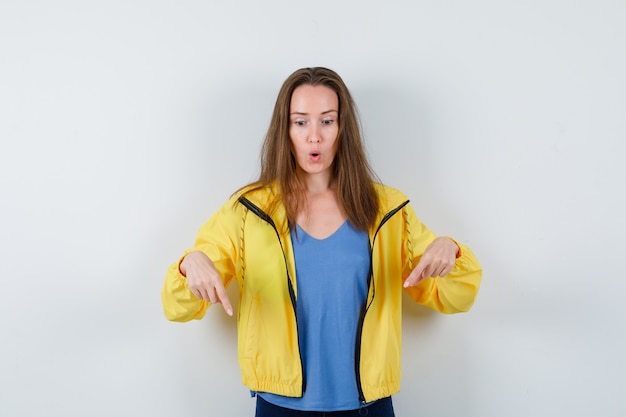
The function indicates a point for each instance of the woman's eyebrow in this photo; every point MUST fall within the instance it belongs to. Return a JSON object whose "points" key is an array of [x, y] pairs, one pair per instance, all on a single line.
{"points": [[298, 113]]}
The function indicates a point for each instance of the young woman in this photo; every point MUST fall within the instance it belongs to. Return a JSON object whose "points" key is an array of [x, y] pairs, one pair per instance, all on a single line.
{"points": [[322, 254]]}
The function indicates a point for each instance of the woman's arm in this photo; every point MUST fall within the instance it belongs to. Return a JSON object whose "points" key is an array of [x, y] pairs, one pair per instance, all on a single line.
{"points": [[200, 277], [446, 274]]}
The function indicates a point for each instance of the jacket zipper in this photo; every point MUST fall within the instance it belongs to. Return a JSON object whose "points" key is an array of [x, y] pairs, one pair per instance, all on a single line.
{"points": [[365, 308], [292, 294]]}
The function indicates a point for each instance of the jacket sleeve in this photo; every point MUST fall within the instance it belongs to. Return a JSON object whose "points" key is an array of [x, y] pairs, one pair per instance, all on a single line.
{"points": [[453, 293], [219, 239]]}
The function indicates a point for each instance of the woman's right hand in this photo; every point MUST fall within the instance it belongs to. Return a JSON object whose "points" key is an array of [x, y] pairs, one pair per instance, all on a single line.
{"points": [[204, 281]]}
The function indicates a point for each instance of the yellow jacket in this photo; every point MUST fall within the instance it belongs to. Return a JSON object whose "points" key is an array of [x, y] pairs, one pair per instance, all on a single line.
{"points": [[248, 245]]}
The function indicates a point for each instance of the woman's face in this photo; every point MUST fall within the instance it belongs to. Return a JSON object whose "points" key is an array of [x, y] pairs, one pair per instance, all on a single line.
{"points": [[313, 128]]}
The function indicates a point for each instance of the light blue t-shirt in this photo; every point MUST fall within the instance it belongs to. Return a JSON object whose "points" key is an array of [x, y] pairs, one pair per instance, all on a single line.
{"points": [[332, 288]]}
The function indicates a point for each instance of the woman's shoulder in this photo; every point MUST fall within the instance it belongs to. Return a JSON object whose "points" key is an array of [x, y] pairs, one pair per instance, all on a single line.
{"points": [[389, 195], [262, 196]]}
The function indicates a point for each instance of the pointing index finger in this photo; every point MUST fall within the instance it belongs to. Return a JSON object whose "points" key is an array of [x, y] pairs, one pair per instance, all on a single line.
{"points": [[224, 300]]}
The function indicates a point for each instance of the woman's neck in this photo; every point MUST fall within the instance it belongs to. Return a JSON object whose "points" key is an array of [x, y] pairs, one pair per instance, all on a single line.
{"points": [[318, 183]]}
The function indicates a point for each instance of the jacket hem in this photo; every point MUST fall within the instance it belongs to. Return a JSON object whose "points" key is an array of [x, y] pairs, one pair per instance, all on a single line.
{"points": [[279, 388], [373, 393]]}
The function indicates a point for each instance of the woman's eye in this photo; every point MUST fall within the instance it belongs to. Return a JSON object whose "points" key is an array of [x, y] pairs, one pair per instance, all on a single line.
{"points": [[328, 121], [299, 122]]}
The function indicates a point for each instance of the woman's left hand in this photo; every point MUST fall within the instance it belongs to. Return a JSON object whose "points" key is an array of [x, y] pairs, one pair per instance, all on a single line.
{"points": [[437, 260]]}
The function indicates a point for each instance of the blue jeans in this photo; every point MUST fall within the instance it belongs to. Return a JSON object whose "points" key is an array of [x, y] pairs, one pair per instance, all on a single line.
{"points": [[380, 408]]}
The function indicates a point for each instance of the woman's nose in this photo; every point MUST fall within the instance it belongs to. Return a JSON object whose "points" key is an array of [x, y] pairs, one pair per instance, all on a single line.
{"points": [[314, 135]]}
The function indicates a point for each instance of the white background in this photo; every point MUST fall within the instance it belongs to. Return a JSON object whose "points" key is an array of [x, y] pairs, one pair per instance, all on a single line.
{"points": [[125, 124]]}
